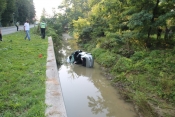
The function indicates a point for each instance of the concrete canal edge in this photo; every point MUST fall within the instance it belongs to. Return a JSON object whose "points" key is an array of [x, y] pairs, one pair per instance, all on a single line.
{"points": [[53, 97]]}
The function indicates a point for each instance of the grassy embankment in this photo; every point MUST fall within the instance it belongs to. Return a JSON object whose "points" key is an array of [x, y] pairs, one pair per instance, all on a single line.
{"points": [[22, 75], [147, 78]]}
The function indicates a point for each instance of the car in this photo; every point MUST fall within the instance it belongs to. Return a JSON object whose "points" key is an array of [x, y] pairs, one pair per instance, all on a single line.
{"points": [[83, 58]]}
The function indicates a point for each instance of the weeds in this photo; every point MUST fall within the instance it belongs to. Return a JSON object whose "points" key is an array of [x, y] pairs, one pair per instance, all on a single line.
{"points": [[151, 73]]}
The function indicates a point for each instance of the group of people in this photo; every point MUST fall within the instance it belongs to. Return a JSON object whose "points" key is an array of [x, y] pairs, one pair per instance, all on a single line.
{"points": [[42, 26]]}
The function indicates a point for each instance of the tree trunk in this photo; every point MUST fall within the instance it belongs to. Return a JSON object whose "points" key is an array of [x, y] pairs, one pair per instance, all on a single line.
{"points": [[148, 42]]}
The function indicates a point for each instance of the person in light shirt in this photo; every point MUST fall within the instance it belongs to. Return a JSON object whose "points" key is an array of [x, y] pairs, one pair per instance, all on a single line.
{"points": [[27, 29]]}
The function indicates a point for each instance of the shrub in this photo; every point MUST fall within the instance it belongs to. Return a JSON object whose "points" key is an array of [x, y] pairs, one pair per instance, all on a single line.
{"points": [[105, 58], [85, 34], [122, 65], [139, 55], [97, 51]]}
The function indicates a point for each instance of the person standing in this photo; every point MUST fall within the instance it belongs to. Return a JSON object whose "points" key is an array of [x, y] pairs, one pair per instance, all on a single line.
{"points": [[0, 35], [17, 25], [43, 26], [27, 30]]}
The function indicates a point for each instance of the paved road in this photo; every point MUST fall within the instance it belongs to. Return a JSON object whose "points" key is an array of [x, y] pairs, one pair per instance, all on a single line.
{"points": [[12, 29]]}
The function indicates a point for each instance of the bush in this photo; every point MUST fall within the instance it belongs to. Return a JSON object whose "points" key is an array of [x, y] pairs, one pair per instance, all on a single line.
{"points": [[89, 47], [108, 43], [57, 43], [97, 51], [139, 55], [85, 34], [105, 58], [122, 65]]}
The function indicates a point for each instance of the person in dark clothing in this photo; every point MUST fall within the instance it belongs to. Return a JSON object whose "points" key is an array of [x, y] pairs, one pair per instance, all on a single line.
{"points": [[43, 26], [17, 25], [0, 35]]}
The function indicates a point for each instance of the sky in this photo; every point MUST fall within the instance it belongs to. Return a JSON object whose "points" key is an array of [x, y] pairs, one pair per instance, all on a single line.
{"points": [[47, 4]]}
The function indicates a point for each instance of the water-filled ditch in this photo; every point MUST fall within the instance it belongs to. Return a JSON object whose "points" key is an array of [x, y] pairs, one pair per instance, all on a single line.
{"points": [[86, 92]]}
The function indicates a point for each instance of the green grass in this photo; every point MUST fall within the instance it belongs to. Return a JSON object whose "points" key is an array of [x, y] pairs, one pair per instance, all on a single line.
{"points": [[22, 75]]}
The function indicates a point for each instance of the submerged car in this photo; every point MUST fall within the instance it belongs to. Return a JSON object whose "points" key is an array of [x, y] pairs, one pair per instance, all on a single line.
{"points": [[83, 58]]}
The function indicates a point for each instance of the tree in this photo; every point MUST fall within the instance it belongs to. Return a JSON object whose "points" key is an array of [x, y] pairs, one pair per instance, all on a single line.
{"points": [[3, 4], [43, 15], [128, 21], [25, 10], [2, 8], [8, 14]]}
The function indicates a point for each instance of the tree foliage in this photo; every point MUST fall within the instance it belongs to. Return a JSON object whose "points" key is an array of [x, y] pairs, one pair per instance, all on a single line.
{"points": [[8, 13], [139, 20], [3, 4], [16, 10]]}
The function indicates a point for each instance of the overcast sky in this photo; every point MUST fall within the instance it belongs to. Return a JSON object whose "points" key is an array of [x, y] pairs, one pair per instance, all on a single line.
{"points": [[47, 4]]}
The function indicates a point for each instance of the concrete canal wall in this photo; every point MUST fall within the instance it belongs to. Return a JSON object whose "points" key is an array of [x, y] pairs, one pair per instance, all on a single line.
{"points": [[53, 97]]}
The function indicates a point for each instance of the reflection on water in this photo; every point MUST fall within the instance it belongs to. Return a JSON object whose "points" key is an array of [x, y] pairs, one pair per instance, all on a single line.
{"points": [[87, 93]]}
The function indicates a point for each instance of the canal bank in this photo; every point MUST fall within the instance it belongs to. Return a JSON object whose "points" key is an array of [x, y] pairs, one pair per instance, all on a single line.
{"points": [[53, 98]]}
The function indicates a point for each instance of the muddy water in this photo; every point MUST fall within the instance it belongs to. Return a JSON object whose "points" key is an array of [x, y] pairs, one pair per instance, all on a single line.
{"points": [[86, 92]]}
